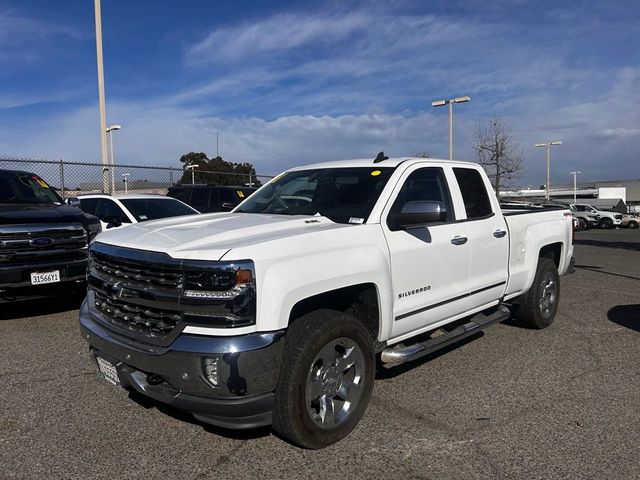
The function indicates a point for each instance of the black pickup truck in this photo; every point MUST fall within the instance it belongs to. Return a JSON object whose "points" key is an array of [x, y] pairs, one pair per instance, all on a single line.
{"points": [[43, 242]]}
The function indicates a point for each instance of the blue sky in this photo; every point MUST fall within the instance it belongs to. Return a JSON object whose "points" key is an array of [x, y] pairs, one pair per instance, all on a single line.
{"points": [[289, 83]]}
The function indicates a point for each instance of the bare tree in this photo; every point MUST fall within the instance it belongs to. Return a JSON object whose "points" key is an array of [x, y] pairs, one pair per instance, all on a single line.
{"points": [[497, 151]]}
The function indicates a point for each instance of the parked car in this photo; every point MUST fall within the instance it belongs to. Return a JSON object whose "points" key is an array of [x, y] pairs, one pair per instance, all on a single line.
{"points": [[630, 221], [586, 219], [43, 242], [275, 312], [116, 211], [606, 219], [211, 198]]}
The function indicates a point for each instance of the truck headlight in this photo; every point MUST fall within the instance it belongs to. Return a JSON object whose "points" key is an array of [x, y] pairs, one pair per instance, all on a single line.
{"points": [[220, 294]]}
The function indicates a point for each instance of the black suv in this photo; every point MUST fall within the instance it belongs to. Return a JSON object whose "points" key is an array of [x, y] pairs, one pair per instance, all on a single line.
{"points": [[210, 198], [43, 242]]}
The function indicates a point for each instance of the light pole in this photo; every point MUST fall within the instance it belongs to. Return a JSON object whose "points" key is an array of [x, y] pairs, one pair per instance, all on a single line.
{"points": [[450, 102], [101, 99], [575, 174], [548, 145], [125, 180], [192, 167], [110, 131]]}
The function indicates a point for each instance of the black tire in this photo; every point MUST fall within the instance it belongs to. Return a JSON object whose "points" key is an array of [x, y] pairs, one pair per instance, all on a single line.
{"points": [[582, 224], [606, 223], [537, 309], [318, 334], [632, 224]]}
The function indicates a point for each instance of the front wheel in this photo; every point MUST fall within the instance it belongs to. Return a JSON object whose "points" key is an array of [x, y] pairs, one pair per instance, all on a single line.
{"points": [[539, 305], [326, 379], [606, 223]]}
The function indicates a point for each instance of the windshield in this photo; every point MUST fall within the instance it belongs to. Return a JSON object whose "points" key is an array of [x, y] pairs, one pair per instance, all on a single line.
{"points": [[344, 195], [18, 187], [144, 209]]}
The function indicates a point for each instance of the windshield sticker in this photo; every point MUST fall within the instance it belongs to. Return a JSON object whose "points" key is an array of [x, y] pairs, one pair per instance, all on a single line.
{"points": [[356, 220], [41, 182], [375, 173], [240, 193], [143, 217]]}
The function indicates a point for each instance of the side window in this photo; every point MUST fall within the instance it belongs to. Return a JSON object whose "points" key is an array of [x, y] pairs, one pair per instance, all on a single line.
{"points": [[226, 195], [181, 194], [199, 198], [108, 211], [89, 205], [474, 193], [425, 185]]}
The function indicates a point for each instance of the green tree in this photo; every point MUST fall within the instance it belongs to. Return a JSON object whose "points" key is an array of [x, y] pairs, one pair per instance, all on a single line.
{"points": [[217, 171]]}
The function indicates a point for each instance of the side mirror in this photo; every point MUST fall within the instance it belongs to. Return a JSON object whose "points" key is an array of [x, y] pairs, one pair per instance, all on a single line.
{"points": [[112, 222], [73, 202], [417, 213], [227, 206]]}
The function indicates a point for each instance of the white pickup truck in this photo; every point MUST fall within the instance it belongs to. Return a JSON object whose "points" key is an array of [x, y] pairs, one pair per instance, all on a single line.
{"points": [[276, 312]]}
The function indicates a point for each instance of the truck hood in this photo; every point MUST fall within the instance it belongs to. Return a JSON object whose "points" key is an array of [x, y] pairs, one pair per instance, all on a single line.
{"points": [[14, 213], [211, 236]]}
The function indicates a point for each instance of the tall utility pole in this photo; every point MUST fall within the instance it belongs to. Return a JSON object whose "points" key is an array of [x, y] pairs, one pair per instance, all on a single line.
{"points": [[101, 100], [575, 174], [450, 102], [548, 145]]}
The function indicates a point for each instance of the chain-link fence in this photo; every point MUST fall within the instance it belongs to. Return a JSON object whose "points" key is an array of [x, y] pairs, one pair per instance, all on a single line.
{"points": [[76, 178]]}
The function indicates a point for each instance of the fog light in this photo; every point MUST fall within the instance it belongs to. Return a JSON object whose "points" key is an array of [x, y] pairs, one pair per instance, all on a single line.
{"points": [[211, 370]]}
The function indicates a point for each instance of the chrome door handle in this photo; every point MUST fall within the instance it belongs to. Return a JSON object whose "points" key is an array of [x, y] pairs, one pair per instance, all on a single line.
{"points": [[459, 240], [499, 233]]}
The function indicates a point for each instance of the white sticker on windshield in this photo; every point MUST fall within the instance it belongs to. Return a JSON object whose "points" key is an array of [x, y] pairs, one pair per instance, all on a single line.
{"points": [[356, 220], [143, 217]]}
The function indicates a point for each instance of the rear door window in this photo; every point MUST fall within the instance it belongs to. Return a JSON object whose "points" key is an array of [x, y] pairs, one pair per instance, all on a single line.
{"points": [[474, 193], [181, 194], [89, 205], [199, 198]]}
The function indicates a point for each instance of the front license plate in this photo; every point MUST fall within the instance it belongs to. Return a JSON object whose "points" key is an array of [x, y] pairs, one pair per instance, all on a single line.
{"points": [[108, 371], [40, 278]]}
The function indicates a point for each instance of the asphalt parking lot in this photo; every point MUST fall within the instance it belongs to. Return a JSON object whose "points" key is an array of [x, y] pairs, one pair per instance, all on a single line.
{"points": [[512, 403]]}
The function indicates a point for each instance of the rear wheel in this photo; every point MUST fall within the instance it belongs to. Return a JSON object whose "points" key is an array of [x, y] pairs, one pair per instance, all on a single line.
{"points": [[633, 224], [326, 379], [538, 307]]}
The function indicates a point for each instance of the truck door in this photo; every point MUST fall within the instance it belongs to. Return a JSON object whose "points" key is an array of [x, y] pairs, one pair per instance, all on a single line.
{"points": [[430, 262], [486, 229]]}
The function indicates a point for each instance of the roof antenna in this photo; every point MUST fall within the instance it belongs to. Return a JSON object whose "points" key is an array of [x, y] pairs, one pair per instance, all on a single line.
{"points": [[381, 157]]}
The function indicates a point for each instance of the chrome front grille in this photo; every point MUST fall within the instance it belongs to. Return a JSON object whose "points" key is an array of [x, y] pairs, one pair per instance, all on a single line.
{"points": [[151, 323], [34, 242], [135, 272]]}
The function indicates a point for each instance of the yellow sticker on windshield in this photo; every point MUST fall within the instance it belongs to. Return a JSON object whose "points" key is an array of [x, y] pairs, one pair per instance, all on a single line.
{"points": [[240, 193], [41, 182], [375, 173]]}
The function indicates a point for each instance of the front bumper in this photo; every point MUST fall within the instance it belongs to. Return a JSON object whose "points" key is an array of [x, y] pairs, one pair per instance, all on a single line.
{"points": [[248, 367], [16, 279]]}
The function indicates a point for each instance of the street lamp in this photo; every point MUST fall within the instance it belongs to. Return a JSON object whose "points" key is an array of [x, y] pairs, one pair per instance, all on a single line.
{"points": [[110, 131], [575, 174], [125, 180], [192, 167], [548, 145], [450, 102]]}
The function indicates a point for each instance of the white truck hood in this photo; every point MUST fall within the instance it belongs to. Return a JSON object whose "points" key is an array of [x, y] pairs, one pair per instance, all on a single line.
{"points": [[211, 236]]}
